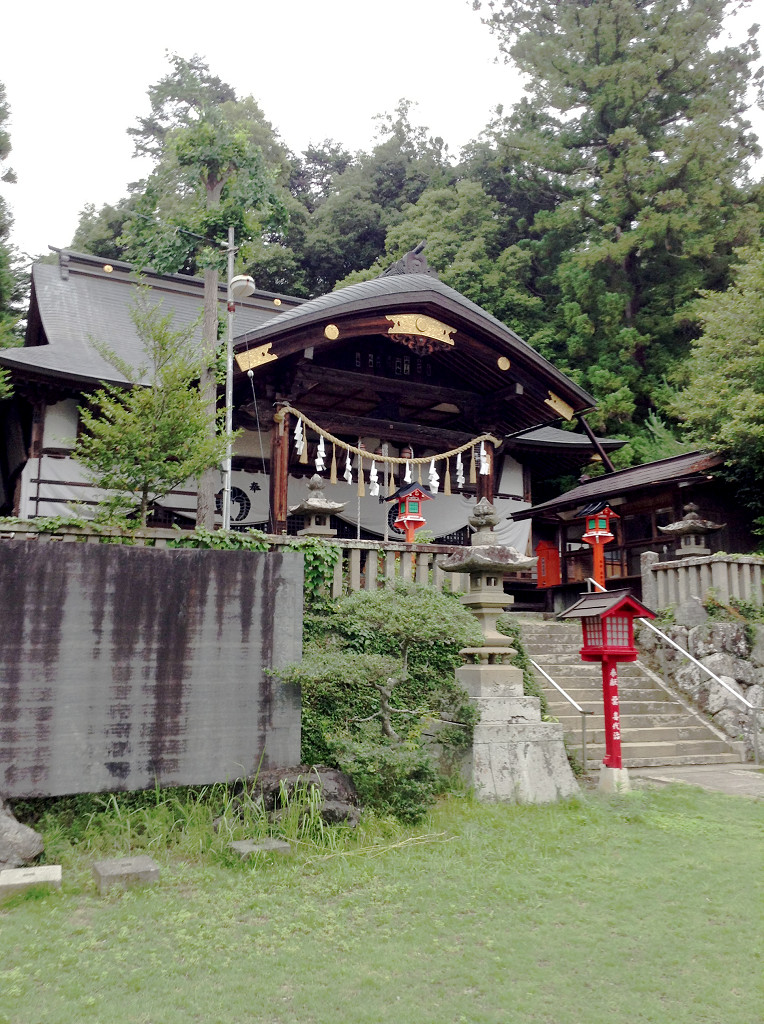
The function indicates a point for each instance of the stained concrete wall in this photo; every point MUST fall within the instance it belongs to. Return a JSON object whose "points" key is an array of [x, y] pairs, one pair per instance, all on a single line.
{"points": [[121, 667]]}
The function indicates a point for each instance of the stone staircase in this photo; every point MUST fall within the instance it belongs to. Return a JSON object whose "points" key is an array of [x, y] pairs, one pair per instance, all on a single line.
{"points": [[657, 728]]}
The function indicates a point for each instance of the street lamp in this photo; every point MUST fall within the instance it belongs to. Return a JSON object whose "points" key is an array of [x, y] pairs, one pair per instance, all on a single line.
{"points": [[239, 287]]}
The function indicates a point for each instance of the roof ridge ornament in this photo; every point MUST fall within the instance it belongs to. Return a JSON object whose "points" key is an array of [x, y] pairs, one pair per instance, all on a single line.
{"points": [[413, 262]]}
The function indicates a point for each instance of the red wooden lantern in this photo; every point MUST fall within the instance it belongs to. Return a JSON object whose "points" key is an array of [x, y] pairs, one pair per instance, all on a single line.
{"points": [[607, 620], [598, 533], [410, 518]]}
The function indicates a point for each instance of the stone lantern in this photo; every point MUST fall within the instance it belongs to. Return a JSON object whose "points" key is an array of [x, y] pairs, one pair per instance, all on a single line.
{"points": [[690, 532], [317, 509], [515, 756]]}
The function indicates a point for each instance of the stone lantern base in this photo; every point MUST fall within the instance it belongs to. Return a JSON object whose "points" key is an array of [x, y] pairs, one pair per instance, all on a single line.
{"points": [[515, 756]]}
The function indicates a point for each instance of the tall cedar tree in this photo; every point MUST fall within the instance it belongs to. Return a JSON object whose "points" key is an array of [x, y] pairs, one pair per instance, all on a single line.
{"points": [[142, 440], [209, 177], [635, 126]]}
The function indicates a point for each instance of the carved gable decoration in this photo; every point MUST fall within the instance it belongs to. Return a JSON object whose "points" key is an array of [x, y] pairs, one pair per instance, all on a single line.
{"points": [[414, 262], [422, 334]]}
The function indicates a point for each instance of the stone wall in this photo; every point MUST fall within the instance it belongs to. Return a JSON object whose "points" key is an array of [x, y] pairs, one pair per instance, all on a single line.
{"points": [[122, 666], [734, 651]]}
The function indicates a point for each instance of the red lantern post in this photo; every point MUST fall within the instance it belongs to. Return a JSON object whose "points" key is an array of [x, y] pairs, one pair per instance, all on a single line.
{"points": [[607, 621], [410, 517], [598, 534]]}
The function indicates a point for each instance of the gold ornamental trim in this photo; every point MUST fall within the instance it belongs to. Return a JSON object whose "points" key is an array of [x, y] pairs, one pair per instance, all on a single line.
{"points": [[255, 357], [419, 326], [560, 406]]}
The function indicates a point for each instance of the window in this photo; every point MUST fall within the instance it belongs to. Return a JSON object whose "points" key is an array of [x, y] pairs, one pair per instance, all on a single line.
{"points": [[618, 631]]}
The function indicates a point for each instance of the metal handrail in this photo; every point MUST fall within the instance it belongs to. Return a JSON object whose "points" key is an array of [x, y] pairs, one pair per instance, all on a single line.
{"points": [[700, 665], [582, 711]]}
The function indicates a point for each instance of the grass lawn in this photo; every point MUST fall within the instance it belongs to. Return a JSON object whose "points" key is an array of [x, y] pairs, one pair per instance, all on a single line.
{"points": [[645, 908]]}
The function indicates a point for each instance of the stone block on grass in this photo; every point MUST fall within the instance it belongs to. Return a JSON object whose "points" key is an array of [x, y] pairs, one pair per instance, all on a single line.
{"points": [[249, 847], [14, 880], [121, 872]]}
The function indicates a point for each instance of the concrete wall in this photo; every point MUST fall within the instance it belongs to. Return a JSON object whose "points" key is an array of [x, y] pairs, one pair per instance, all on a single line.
{"points": [[124, 666]]}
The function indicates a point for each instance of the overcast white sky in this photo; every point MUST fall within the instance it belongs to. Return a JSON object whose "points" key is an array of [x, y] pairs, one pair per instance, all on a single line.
{"points": [[76, 76]]}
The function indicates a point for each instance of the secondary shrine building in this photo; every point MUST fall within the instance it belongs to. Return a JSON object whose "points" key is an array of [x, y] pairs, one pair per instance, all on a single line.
{"points": [[396, 379]]}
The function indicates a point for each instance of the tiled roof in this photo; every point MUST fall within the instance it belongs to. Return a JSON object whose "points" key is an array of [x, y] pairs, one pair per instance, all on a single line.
{"points": [[611, 485], [400, 292], [84, 308]]}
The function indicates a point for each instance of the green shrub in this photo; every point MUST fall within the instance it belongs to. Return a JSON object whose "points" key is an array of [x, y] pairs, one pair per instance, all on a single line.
{"points": [[376, 666], [398, 779]]}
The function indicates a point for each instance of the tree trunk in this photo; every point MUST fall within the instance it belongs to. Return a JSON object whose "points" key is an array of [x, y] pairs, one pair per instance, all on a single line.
{"points": [[209, 483]]}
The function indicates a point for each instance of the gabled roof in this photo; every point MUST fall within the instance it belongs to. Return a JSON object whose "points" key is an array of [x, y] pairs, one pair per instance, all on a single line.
{"points": [[605, 603], [78, 305], [679, 468], [419, 292], [489, 357]]}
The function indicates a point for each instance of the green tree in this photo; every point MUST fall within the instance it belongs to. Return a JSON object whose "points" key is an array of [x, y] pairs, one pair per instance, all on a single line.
{"points": [[722, 403], [636, 122], [11, 278], [141, 440], [209, 178], [347, 230]]}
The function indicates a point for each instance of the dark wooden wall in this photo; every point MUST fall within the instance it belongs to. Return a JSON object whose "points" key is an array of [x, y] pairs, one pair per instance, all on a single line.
{"points": [[121, 667]]}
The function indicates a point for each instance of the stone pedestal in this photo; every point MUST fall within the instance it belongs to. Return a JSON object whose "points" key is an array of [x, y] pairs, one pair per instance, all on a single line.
{"points": [[613, 780], [515, 756]]}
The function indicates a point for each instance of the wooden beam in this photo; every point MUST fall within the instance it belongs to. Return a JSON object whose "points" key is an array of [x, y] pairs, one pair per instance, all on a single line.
{"points": [[403, 387]]}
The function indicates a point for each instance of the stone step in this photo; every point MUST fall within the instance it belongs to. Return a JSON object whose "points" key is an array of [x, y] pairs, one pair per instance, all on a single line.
{"points": [[591, 693], [652, 762], [658, 734], [657, 729]]}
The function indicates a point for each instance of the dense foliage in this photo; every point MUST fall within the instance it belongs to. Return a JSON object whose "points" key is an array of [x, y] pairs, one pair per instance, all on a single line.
{"points": [[588, 217], [722, 403], [11, 287], [378, 667]]}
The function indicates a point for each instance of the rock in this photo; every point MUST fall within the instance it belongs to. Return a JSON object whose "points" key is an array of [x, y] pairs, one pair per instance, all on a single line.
{"points": [[19, 844], [339, 804], [690, 613], [732, 722], [727, 665], [248, 847], [121, 872], [717, 697], [689, 678], [757, 648], [718, 638], [14, 880], [755, 694]]}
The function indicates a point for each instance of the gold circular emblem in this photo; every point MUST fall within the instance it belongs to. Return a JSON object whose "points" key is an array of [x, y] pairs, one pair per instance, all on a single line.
{"points": [[277, 302], [332, 332], [503, 363], [108, 268], [421, 324]]}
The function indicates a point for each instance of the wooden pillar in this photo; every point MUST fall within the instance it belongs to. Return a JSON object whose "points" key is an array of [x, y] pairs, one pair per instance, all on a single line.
{"points": [[485, 482], [279, 480]]}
